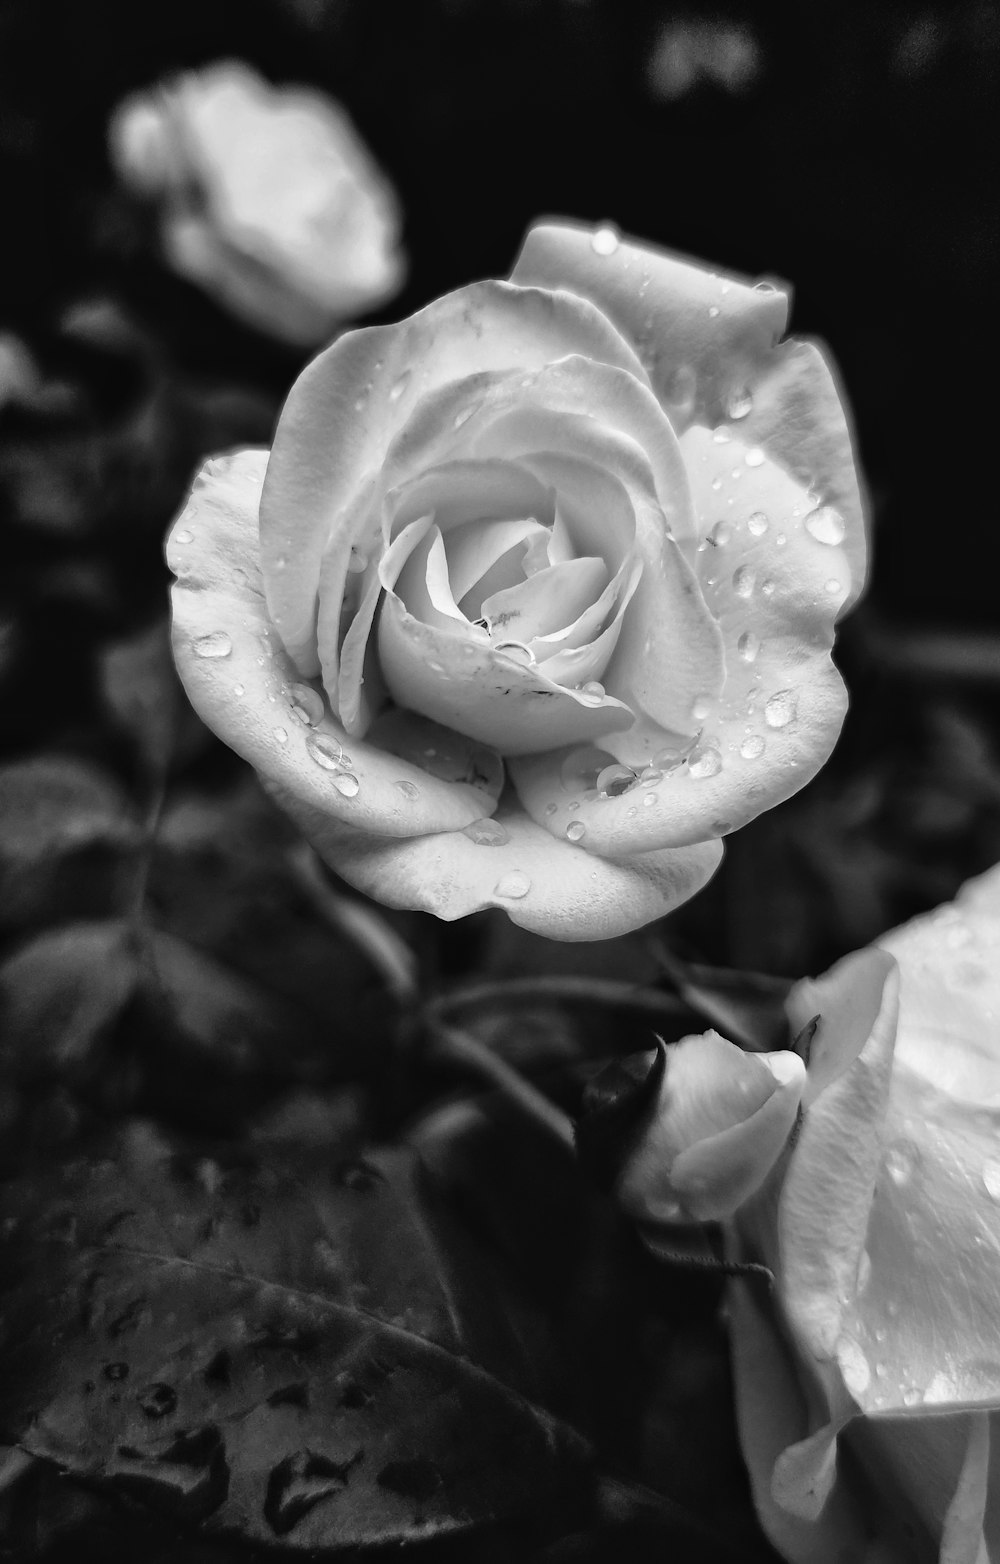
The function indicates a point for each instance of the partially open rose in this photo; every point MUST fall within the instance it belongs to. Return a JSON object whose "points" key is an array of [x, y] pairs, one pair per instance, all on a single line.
{"points": [[868, 1385], [268, 198], [536, 600]]}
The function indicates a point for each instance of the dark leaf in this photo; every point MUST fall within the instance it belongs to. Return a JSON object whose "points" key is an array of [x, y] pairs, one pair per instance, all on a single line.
{"points": [[614, 1106], [301, 1354], [142, 693], [746, 1007], [60, 994]]}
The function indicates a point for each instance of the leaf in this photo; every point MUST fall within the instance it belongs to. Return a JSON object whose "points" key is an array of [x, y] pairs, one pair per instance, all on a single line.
{"points": [[746, 1007], [295, 1352], [62, 821], [615, 1103], [59, 995], [142, 693]]}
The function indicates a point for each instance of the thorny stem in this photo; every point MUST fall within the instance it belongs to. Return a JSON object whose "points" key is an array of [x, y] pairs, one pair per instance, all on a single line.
{"points": [[463, 1049]]}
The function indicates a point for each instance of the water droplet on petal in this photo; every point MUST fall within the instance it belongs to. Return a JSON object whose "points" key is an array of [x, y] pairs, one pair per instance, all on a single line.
{"points": [[700, 707], [721, 534], [325, 751], [739, 404], [680, 387], [408, 789], [592, 691], [356, 562], [217, 644], [900, 1161], [705, 762], [486, 833], [512, 886], [575, 830], [991, 1178], [605, 240], [615, 780], [281, 734], [757, 524], [346, 783], [768, 588], [650, 801], [754, 457], [833, 587], [184, 535], [744, 581], [854, 1366], [826, 525], [713, 311], [550, 809], [753, 747], [399, 386], [781, 709], [307, 704], [239, 689], [515, 652], [748, 646], [464, 416]]}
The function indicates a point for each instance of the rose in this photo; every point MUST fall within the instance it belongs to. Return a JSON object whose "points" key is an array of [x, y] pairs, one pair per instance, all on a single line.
{"points": [[550, 572], [270, 201], [718, 1124], [883, 1231]]}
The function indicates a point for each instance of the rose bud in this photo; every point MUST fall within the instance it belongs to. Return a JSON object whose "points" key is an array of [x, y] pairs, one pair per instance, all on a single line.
{"points": [[719, 1124], [532, 600], [269, 199]]}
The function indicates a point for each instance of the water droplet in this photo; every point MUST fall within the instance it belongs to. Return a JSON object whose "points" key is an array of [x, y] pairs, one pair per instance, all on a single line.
{"points": [[575, 830], [615, 780], [486, 833], [833, 587], [757, 524], [592, 691], [739, 404], [326, 751], [912, 1397], [183, 536], [864, 1271], [748, 646], [768, 588], [705, 762], [991, 1178], [281, 734], [721, 436], [780, 710], [854, 1366], [744, 581], [550, 809], [650, 777], [512, 886], [408, 789], [780, 540], [356, 562], [282, 561], [721, 534], [464, 416], [605, 241], [753, 747], [158, 1400], [713, 311], [300, 1482], [399, 386], [436, 667], [307, 704], [216, 645], [716, 484], [754, 457], [826, 525], [346, 783], [239, 689], [650, 801], [900, 1161], [700, 707], [515, 652]]}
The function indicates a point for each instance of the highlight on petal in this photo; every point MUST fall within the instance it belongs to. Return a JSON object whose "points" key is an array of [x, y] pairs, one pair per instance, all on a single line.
{"points": [[347, 406], [246, 688], [547, 886]]}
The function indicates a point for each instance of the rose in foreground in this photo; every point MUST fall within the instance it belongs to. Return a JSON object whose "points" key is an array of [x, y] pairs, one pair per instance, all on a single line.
{"points": [[533, 599], [269, 199], [883, 1231]]}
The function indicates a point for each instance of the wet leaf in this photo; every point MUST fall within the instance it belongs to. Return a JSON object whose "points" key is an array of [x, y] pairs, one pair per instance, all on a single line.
{"points": [[298, 1353]]}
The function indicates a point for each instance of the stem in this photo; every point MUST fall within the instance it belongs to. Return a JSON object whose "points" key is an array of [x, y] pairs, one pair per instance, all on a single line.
{"points": [[461, 1048], [518, 992], [390, 955]]}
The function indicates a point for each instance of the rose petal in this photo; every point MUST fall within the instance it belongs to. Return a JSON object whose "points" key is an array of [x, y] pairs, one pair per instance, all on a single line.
{"points": [[701, 335], [546, 886], [547, 601], [243, 684], [464, 684], [348, 404], [848, 1001]]}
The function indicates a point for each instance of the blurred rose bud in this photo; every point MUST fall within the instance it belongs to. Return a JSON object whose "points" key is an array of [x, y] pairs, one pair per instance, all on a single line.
{"points": [[269, 199], [719, 1124]]}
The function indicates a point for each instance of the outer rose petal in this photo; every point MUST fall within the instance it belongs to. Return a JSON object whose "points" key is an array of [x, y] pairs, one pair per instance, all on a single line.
{"points": [[238, 679], [348, 404], [707, 341], [546, 886]]}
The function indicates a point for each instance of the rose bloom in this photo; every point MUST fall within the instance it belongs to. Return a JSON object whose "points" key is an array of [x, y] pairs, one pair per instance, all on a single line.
{"points": [[868, 1385], [532, 601], [269, 199]]}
